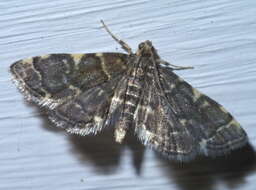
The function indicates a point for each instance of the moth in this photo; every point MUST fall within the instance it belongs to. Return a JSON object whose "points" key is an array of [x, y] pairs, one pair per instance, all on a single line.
{"points": [[84, 93]]}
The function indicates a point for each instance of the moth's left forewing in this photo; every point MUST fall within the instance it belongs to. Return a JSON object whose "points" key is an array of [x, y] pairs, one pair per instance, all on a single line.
{"points": [[211, 125], [76, 89], [52, 79]]}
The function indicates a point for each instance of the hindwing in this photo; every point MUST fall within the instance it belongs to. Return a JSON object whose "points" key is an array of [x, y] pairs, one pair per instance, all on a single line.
{"points": [[86, 113]]}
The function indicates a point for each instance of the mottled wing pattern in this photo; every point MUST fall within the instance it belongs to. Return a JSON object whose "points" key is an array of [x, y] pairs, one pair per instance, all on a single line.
{"points": [[87, 113], [182, 122], [117, 102], [158, 127], [214, 129], [85, 92], [53, 79], [76, 89]]}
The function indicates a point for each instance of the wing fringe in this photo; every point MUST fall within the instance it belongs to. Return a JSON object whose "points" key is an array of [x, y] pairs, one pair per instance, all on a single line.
{"points": [[24, 89]]}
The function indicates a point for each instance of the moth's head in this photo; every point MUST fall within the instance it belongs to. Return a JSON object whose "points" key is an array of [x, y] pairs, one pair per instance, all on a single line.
{"points": [[146, 49]]}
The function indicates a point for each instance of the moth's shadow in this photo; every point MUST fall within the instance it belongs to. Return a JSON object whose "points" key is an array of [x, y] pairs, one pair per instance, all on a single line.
{"points": [[204, 173], [102, 150], [105, 154]]}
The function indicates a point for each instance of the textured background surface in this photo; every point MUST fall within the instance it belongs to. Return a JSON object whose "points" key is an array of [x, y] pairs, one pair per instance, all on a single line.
{"points": [[216, 37]]}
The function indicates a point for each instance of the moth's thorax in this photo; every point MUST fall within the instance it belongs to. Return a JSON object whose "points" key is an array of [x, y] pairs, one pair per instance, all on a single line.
{"points": [[146, 49]]}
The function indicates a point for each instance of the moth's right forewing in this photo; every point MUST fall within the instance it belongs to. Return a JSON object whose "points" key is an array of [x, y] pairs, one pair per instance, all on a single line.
{"points": [[214, 129], [158, 127]]}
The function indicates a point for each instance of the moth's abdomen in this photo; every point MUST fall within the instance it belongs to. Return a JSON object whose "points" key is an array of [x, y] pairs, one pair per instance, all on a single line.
{"points": [[131, 98], [134, 85]]}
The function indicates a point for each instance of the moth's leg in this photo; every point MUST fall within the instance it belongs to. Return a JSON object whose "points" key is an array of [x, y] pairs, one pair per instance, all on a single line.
{"points": [[175, 67], [124, 45]]}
